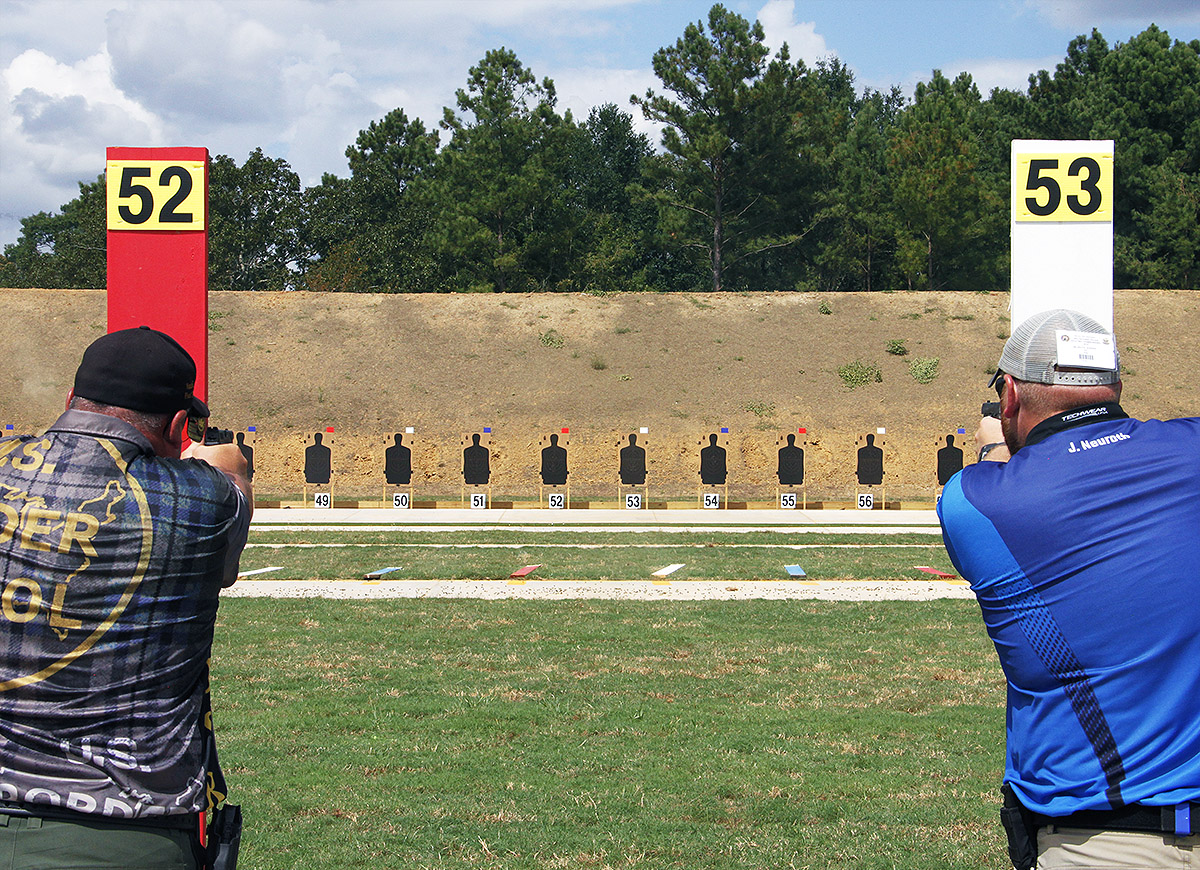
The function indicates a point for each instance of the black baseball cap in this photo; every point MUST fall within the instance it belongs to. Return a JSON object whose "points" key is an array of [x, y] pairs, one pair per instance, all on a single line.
{"points": [[140, 369]]}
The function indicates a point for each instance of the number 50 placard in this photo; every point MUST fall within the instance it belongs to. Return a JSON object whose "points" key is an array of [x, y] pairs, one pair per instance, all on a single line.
{"points": [[155, 195]]}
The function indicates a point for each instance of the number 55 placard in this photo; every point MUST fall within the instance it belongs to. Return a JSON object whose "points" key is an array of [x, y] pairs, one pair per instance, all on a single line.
{"points": [[155, 195]]}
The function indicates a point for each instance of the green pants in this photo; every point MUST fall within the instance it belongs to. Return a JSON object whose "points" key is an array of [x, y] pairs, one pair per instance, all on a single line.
{"points": [[31, 843]]}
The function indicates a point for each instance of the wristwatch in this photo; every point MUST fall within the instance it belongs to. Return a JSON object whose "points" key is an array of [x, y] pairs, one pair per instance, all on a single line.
{"points": [[988, 448]]}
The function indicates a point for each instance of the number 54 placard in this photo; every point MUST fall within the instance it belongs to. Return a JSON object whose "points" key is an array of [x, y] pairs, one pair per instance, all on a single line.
{"points": [[155, 195]]}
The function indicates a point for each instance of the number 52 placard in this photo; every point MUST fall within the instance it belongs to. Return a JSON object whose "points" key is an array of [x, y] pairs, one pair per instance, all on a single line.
{"points": [[155, 195]]}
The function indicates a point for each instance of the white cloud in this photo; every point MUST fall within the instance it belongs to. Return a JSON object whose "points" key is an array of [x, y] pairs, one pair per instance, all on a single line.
{"points": [[778, 19], [1014, 75], [583, 89]]}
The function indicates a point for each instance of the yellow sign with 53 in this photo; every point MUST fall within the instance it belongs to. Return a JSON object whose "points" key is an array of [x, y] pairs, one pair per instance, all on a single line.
{"points": [[1064, 187], [155, 195]]}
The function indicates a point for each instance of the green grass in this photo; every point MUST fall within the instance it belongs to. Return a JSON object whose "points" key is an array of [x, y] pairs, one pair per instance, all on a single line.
{"points": [[603, 734], [587, 555], [859, 374]]}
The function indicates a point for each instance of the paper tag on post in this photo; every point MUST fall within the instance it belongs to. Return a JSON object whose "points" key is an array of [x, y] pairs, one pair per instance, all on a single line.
{"points": [[1086, 350]]}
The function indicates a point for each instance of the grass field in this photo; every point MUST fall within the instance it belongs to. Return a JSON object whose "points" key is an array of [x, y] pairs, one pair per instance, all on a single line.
{"points": [[512, 734], [589, 555]]}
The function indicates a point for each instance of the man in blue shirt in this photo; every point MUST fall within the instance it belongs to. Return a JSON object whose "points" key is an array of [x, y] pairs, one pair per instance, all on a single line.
{"points": [[1082, 549]]}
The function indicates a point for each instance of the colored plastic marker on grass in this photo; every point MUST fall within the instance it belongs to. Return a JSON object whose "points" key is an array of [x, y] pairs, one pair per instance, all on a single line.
{"points": [[667, 571], [794, 570], [524, 572], [375, 575], [260, 571], [935, 572]]}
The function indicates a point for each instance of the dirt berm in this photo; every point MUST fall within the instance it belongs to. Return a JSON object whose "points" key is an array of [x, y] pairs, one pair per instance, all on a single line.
{"points": [[684, 366]]}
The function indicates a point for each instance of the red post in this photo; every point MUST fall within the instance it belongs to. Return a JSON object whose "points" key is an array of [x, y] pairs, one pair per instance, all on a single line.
{"points": [[158, 246]]}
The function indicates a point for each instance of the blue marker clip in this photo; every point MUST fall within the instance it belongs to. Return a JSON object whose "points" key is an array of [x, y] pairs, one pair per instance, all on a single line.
{"points": [[1183, 820]]}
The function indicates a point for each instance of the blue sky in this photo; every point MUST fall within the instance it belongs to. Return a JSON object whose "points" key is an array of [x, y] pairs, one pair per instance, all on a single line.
{"points": [[300, 78]]}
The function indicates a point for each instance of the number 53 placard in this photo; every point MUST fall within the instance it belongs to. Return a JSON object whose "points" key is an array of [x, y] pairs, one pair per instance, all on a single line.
{"points": [[1063, 187], [155, 195]]}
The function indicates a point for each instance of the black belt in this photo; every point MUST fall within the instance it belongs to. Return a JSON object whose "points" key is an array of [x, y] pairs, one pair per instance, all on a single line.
{"points": [[1180, 820], [189, 822]]}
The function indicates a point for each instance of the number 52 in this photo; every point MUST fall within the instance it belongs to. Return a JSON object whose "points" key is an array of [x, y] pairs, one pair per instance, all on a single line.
{"points": [[155, 195]]}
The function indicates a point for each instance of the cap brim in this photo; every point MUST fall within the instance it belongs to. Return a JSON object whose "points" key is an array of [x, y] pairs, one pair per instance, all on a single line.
{"points": [[997, 376], [197, 409]]}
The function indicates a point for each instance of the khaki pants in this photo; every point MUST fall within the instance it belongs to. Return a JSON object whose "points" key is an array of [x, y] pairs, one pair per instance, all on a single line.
{"points": [[31, 843], [1079, 849]]}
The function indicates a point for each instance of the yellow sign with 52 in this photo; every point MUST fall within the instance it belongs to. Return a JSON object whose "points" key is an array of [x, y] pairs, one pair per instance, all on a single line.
{"points": [[155, 195]]}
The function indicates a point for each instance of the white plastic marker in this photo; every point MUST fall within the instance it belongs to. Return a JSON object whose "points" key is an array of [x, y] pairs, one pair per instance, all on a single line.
{"points": [[375, 575], [670, 569], [260, 571]]}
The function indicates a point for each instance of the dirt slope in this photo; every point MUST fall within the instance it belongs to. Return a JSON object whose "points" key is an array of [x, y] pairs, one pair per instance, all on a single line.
{"points": [[682, 365]]}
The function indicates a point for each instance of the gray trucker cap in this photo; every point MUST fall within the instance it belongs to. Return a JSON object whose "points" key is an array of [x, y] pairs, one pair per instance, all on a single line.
{"points": [[1060, 346]]}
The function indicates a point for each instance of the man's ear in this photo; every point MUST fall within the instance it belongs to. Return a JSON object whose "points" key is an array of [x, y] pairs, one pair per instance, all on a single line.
{"points": [[173, 434], [1010, 402], [70, 397]]}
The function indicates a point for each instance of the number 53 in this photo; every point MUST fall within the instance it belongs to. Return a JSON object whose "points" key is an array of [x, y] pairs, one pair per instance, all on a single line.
{"points": [[1065, 187]]}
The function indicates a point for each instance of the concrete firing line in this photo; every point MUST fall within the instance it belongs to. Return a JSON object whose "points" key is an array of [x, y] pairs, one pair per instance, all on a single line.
{"points": [[633, 590]]}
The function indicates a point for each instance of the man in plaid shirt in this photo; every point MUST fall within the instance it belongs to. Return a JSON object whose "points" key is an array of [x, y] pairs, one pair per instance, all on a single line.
{"points": [[114, 546]]}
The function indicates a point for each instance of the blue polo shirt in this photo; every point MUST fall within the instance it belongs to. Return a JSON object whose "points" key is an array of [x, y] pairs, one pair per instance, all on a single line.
{"points": [[1084, 554]]}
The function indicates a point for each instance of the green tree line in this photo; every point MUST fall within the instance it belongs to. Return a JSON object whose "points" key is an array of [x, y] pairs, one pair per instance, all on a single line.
{"points": [[771, 175]]}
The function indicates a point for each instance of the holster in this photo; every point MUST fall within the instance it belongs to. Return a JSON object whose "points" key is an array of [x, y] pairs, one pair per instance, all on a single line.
{"points": [[1021, 830], [224, 838]]}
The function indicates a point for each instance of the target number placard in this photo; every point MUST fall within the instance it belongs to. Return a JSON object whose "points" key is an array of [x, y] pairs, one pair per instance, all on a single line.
{"points": [[558, 501], [478, 501], [866, 501], [322, 501], [787, 501], [712, 500], [1064, 187], [401, 501], [155, 195], [633, 501]]}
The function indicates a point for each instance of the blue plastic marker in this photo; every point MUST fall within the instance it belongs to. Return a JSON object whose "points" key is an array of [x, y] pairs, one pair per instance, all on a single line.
{"points": [[795, 570], [375, 575]]}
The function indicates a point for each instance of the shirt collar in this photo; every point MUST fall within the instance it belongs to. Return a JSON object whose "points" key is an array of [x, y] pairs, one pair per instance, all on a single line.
{"points": [[1074, 417], [100, 426]]}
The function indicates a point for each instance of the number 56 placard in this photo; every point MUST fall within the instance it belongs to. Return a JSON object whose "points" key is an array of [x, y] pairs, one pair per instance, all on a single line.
{"points": [[155, 195]]}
